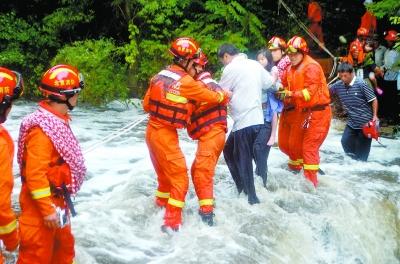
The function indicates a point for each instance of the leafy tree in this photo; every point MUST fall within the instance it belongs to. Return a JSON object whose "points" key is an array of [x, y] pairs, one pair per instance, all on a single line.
{"points": [[100, 63]]}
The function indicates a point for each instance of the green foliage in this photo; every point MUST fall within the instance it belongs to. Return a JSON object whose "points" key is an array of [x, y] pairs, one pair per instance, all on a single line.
{"points": [[136, 34], [211, 23], [100, 63], [384, 8]]}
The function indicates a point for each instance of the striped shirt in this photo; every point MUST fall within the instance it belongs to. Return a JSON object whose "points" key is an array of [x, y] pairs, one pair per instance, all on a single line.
{"points": [[356, 99]]}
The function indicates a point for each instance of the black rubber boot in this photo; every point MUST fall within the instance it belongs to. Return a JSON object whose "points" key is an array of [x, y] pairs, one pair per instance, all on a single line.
{"points": [[207, 218]]}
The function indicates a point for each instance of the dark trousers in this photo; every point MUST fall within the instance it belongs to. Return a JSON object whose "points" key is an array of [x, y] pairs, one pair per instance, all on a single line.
{"points": [[355, 144], [261, 152], [238, 154]]}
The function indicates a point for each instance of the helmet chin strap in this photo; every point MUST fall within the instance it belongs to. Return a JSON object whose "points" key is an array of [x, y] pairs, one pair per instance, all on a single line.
{"points": [[3, 108], [60, 101]]}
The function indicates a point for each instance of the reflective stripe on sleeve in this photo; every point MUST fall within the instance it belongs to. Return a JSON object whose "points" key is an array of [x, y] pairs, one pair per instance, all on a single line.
{"points": [[306, 95], [8, 228], [176, 203], [176, 98], [41, 193]]}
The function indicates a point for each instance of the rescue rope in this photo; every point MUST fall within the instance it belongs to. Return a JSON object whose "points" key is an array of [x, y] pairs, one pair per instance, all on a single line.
{"points": [[116, 134], [312, 36]]}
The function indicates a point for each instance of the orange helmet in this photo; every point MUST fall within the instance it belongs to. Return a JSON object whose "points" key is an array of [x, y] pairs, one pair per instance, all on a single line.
{"points": [[185, 48], [356, 45], [362, 32], [202, 59], [276, 43], [371, 130], [61, 80], [11, 86], [391, 35], [296, 44]]}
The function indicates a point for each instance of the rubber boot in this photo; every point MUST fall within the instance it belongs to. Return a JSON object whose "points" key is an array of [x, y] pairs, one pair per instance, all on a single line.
{"points": [[207, 215], [172, 219]]}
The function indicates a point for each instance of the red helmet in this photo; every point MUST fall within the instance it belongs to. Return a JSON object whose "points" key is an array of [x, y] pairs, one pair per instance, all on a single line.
{"points": [[202, 59], [362, 32], [185, 48], [11, 86], [296, 44], [391, 35], [371, 130], [276, 43], [61, 80]]}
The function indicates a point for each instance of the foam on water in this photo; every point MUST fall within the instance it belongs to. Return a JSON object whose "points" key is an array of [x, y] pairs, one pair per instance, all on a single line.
{"points": [[353, 216]]}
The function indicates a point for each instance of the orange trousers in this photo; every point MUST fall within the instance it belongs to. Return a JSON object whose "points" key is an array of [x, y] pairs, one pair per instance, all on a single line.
{"points": [[170, 166], [209, 148], [312, 139], [42, 245], [289, 128]]}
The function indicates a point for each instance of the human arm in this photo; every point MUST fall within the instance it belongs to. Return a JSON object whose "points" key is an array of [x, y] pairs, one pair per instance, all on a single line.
{"points": [[375, 110], [371, 98], [8, 222], [198, 91], [312, 83], [38, 157], [267, 80], [146, 100]]}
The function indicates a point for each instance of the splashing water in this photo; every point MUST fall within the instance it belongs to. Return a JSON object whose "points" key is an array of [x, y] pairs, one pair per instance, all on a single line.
{"points": [[353, 216]]}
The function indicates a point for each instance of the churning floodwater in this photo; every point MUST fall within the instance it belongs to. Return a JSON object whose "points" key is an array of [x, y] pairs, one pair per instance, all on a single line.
{"points": [[353, 216]]}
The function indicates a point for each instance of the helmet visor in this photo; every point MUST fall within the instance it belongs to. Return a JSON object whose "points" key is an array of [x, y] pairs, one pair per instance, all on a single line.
{"points": [[291, 50]]}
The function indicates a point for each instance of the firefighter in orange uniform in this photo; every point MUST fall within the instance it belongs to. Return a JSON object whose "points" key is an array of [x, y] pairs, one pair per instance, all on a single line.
{"points": [[52, 168], [307, 91], [169, 101], [368, 20], [208, 126], [11, 88], [314, 14]]}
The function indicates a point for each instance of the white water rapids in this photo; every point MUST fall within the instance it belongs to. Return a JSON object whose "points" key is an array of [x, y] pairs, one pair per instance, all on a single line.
{"points": [[352, 217]]}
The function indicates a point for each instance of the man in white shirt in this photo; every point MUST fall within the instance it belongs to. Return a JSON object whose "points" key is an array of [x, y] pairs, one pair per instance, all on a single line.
{"points": [[245, 78]]}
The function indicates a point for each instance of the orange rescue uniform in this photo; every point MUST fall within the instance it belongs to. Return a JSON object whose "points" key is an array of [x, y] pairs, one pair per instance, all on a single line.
{"points": [[368, 21], [167, 101], [208, 126], [314, 14], [313, 115], [41, 162], [8, 222]]}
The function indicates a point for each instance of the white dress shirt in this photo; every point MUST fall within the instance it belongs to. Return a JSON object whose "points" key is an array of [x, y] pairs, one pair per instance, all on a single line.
{"points": [[245, 78]]}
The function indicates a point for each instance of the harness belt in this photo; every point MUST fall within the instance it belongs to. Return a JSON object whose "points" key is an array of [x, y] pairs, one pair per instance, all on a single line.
{"points": [[315, 108]]}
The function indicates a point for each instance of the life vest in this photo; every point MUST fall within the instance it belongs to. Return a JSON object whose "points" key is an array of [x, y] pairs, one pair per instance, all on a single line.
{"points": [[166, 105], [205, 116], [295, 78]]}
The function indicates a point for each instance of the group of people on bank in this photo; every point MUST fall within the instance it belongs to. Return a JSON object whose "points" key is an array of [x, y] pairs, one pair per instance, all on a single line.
{"points": [[377, 64], [285, 84]]}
